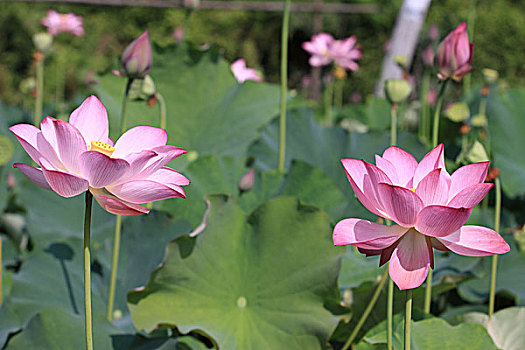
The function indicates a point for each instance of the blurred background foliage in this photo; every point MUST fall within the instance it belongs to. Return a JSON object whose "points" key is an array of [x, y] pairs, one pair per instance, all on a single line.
{"points": [[499, 34]]}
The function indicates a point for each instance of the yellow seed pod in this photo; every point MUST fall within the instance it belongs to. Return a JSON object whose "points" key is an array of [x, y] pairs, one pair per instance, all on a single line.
{"points": [[102, 147]]}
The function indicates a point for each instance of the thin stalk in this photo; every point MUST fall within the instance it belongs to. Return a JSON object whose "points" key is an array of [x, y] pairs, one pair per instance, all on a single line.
{"points": [[424, 122], [284, 83], [1, 270], [393, 126], [367, 311], [389, 311], [408, 318], [87, 271], [428, 292], [437, 113], [338, 93], [497, 217], [163, 113], [118, 221], [328, 102], [39, 101], [471, 21], [114, 267]]}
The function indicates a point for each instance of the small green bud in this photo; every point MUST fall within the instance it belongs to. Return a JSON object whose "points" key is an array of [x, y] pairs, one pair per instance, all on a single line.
{"points": [[43, 41], [397, 90], [490, 76], [458, 112]]}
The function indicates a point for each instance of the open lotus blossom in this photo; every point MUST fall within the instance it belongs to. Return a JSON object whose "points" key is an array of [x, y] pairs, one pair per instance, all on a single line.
{"points": [[243, 73], [325, 50], [78, 156], [454, 54], [429, 207], [57, 23]]}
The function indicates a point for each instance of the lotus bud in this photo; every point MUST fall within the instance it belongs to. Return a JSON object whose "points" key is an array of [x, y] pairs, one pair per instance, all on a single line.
{"points": [[397, 90], [433, 32], [401, 61], [490, 76], [454, 54], [247, 180], [43, 41], [137, 57]]}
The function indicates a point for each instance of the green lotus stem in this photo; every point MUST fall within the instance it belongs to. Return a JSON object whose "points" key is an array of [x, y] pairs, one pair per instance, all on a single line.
{"points": [[393, 126], [118, 222], [87, 271], [367, 311], [435, 130], [163, 113], [408, 318], [39, 101], [114, 267], [328, 101], [338, 93], [497, 217], [284, 83], [428, 292], [424, 123], [1, 267], [471, 21], [389, 311]]}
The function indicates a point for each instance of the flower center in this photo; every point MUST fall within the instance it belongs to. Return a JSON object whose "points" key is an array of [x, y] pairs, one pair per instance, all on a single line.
{"points": [[102, 147], [412, 189]]}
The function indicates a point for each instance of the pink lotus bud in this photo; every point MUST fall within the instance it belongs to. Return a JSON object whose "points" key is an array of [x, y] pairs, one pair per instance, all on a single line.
{"points": [[247, 180], [454, 54], [432, 97], [428, 56], [137, 57], [178, 34], [433, 32], [11, 180]]}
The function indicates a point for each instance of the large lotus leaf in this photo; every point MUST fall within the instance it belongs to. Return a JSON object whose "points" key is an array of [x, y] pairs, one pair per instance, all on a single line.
{"points": [[55, 329], [207, 110], [324, 147], [49, 278], [507, 127], [429, 334], [139, 342], [142, 247], [248, 280], [505, 327], [52, 275], [510, 278]]}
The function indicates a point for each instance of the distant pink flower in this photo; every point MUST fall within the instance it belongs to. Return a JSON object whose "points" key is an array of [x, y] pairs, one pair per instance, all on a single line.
{"points": [[428, 56], [242, 73], [319, 48], [78, 156], [433, 32], [345, 52], [429, 206], [454, 54], [325, 50], [178, 34], [137, 58], [57, 23]]}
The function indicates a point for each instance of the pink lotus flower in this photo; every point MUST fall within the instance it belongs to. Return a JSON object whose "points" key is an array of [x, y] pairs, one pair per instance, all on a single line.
{"points": [[454, 54], [319, 48], [137, 57], [325, 50], [242, 73], [78, 156], [57, 23], [429, 207], [345, 52]]}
